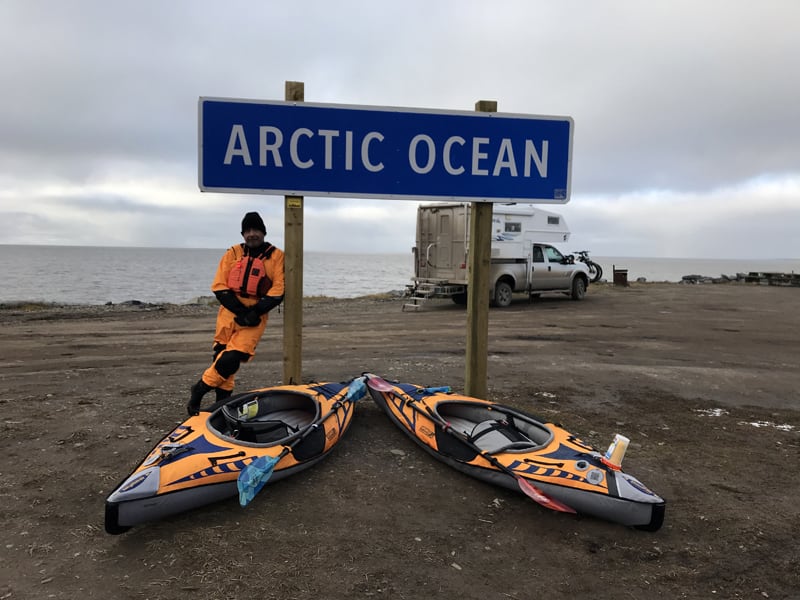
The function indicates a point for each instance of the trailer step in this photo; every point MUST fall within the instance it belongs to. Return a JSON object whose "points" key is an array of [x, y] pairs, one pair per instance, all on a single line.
{"points": [[423, 290]]}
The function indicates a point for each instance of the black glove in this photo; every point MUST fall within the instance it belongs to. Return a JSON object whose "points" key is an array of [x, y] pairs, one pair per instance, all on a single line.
{"points": [[249, 319], [229, 300], [267, 303]]}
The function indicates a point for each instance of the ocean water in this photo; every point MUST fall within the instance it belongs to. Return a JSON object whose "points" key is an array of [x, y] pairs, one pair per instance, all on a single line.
{"points": [[94, 275]]}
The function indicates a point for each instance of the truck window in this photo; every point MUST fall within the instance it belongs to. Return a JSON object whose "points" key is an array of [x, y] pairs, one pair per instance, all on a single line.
{"points": [[537, 254], [553, 220], [553, 255], [513, 227]]}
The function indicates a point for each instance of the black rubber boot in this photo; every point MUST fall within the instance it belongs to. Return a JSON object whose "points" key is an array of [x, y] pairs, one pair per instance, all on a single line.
{"points": [[199, 389], [223, 394]]}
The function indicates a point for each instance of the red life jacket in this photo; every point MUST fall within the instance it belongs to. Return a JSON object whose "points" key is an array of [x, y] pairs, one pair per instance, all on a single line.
{"points": [[248, 276]]}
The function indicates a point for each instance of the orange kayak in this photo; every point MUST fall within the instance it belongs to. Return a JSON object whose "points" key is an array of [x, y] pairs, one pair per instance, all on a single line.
{"points": [[206, 458], [508, 447]]}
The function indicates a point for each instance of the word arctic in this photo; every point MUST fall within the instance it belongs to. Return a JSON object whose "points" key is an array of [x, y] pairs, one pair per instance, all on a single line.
{"points": [[307, 149]]}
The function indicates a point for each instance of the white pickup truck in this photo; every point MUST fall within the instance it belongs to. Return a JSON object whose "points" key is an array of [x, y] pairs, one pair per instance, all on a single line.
{"points": [[521, 259], [548, 271]]}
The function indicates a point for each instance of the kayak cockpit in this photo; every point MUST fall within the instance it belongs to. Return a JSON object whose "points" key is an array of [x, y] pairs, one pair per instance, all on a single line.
{"points": [[493, 429], [265, 418]]}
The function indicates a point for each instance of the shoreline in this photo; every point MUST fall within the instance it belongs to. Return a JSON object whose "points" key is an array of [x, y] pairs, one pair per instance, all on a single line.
{"points": [[202, 302]]}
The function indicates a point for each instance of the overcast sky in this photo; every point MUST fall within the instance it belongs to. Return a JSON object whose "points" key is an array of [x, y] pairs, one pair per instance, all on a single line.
{"points": [[687, 113]]}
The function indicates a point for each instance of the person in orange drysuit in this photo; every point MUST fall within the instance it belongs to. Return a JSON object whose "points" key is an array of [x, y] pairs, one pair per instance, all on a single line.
{"points": [[249, 283]]}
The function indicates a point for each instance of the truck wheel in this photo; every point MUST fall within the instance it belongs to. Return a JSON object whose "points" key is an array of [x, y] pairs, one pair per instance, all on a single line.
{"points": [[502, 294], [578, 288]]}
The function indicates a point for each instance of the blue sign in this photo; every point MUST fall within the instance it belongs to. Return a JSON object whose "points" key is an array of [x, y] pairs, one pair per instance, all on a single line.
{"points": [[305, 149]]}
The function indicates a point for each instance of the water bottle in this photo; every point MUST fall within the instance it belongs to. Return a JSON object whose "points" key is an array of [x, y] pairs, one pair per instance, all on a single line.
{"points": [[616, 451]]}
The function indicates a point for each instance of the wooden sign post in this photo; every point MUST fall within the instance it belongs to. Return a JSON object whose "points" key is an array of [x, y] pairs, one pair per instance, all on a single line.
{"points": [[480, 255], [293, 305]]}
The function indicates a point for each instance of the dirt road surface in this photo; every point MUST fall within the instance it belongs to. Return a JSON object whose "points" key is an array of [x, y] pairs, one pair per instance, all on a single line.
{"points": [[703, 379]]}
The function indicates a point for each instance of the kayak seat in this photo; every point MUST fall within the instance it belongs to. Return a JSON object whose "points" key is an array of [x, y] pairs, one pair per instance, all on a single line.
{"points": [[263, 432], [491, 429], [278, 421], [496, 436], [294, 419], [274, 426]]}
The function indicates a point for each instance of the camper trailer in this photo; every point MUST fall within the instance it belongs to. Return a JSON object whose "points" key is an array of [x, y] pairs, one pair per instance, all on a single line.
{"points": [[523, 257]]}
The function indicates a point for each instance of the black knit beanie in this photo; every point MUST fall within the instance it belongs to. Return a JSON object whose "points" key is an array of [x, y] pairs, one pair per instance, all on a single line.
{"points": [[252, 220]]}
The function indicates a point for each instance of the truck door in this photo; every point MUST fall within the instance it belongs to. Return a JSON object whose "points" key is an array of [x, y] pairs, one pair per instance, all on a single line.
{"points": [[540, 272], [559, 271]]}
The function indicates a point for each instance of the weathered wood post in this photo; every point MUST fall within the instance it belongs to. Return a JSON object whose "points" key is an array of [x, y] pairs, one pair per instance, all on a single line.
{"points": [[480, 255], [293, 304]]}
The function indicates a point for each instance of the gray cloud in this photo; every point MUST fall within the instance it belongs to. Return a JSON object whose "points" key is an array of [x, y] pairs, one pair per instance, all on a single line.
{"points": [[679, 103]]}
